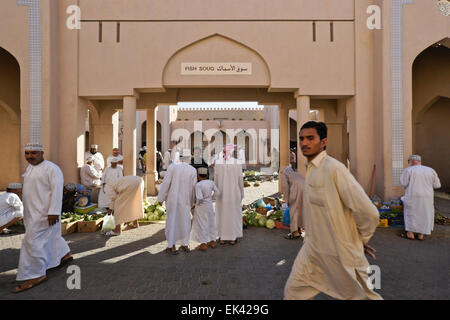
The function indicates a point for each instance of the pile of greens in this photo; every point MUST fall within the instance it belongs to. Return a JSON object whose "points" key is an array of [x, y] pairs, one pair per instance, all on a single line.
{"points": [[154, 212]]}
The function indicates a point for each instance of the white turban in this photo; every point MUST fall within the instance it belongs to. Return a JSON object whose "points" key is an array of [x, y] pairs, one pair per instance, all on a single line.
{"points": [[94, 146], [90, 159], [14, 186], [202, 170], [114, 159], [34, 147]]}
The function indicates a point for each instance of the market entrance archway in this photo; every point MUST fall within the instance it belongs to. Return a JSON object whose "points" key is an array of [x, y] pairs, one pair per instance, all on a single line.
{"points": [[431, 109]]}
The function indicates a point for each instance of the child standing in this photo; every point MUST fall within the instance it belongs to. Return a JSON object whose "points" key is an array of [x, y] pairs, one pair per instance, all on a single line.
{"points": [[204, 222]]}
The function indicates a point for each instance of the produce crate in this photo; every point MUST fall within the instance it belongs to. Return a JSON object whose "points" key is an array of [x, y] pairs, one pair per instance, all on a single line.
{"points": [[87, 209], [68, 227], [383, 223], [279, 225], [89, 226]]}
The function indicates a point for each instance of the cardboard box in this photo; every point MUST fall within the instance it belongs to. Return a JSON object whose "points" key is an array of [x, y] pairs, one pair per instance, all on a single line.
{"points": [[89, 226], [68, 227]]}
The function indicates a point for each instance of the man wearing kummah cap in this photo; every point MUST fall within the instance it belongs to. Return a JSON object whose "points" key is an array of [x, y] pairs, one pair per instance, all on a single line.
{"points": [[419, 182], [110, 177], [178, 191], [99, 161], [115, 154], [43, 247], [11, 207]]}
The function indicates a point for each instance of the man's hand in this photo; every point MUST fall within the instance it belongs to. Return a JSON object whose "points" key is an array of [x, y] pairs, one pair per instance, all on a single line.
{"points": [[53, 219], [370, 251]]}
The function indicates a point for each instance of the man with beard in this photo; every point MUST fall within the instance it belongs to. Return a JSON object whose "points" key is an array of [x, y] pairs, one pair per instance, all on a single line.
{"points": [[43, 247]]}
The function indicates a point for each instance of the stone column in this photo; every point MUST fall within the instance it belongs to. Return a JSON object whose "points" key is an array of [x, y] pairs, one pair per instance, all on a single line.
{"points": [[284, 139], [165, 130], [115, 123], [303, 108], [152, 174], [129, 135]]}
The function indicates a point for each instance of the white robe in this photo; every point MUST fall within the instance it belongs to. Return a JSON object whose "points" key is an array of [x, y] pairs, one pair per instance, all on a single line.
{"points": [[203, 222], [43, 247], [108, 160], [175, 156], [99, 161], [127, 199], [178, 190], [419, 182], [90, 177], [11, 207], [292, 185], [166, 161], [229, 180], [110, 177]]}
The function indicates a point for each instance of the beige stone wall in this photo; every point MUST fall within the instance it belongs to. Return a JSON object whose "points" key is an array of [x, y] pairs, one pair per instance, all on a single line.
{"points": [[353, 70], [238, 115]]}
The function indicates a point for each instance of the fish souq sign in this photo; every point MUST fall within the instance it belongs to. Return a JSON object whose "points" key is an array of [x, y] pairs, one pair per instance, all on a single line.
{"points": [[216, 68]]}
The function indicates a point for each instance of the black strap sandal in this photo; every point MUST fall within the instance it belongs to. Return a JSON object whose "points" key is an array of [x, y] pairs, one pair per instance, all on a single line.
{"points": [[291, 236], [172, 252]]}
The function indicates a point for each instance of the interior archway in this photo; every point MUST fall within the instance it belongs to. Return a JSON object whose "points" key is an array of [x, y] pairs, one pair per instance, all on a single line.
{"points": [[9, 118], [431, 109]]}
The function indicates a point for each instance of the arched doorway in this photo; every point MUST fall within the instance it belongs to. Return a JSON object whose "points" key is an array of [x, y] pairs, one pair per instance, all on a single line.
{"points": [[9, 119], [431, 109]]}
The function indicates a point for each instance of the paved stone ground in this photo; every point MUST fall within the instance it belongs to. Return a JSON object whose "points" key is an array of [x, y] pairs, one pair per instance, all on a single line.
{"points": [[135, 266]]}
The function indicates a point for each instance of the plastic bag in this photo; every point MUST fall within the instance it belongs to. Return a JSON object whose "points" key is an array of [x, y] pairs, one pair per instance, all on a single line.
{"points": [[286, 220], [109, 223]]}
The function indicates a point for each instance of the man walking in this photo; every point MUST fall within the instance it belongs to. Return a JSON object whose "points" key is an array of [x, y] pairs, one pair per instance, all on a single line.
{"points": [[419, 182], [43, 247], [339, 221], [292, 185]]}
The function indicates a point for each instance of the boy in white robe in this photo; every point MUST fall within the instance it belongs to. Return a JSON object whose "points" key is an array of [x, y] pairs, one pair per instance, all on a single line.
{"points": [[11, 207], [115, 154], [43, 247], [110, 177], [178, 191], [203, 223]]}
